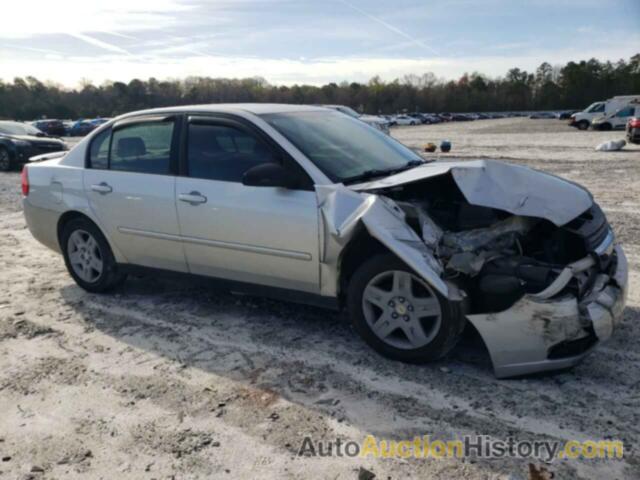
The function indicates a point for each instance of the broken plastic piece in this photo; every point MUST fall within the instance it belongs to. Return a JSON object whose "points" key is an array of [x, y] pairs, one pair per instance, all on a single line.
{"points": [[611, 146]]}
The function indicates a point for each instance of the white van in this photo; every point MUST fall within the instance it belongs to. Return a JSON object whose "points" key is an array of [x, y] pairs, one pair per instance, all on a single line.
{"points": [[582, 120], [616, 120]]}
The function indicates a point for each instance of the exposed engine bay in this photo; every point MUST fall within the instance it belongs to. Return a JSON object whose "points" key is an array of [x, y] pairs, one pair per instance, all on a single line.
{"points": [[496, 257], [530, 256]]}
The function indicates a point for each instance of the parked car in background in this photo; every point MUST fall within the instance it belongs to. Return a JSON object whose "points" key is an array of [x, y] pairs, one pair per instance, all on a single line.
{"points": [[566, 115], [582, 120], [81, 128], [617, 120], [55, 128], [430, 119], [20, 141], [406, 120], [375, 121], [309, 204], [99, 121], [542, 115], [460, 117], [633, 130]]}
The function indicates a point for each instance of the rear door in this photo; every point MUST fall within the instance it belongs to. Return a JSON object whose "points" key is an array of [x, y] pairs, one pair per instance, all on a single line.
{"points": [[260, 235], [130, 182]]}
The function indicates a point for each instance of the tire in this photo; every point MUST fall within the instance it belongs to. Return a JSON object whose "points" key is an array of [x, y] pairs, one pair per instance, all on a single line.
{"points": [[606, 127], [582, 125], [412, 123], [5, 160], [440, 329], [85, 248]]}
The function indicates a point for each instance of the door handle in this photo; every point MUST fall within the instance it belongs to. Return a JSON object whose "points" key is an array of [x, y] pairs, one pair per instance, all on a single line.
{"points": [[194, 198], [102, 187]]}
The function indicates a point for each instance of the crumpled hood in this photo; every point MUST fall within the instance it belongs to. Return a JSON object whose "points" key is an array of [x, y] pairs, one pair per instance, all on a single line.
{"points": [[513, 188]]}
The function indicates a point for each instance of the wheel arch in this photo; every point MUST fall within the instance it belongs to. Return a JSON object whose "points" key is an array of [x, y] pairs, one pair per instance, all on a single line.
{"points": [[70, 215], [361, 247], [9, 147]]}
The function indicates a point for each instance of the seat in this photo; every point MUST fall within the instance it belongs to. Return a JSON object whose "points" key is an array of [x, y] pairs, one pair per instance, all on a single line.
{"points": [[131, 147]]}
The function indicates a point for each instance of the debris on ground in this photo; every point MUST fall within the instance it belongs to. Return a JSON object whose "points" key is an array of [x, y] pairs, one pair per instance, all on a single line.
{"points": [[611, 146]]}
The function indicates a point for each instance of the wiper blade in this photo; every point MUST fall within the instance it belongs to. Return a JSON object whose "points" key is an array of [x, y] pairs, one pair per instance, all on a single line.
{"points": [[368, 174], [377, 172]]}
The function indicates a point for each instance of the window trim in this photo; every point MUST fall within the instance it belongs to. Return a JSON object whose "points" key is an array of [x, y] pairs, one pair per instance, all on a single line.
{"points": [[174, 154], [87, 160]]}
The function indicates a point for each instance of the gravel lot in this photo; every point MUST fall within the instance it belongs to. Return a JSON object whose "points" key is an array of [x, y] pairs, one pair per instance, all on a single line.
{"points": [[172, 379]]}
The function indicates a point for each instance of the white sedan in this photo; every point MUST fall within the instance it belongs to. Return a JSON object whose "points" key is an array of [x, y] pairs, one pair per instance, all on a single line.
{"points": [[406, 120]]}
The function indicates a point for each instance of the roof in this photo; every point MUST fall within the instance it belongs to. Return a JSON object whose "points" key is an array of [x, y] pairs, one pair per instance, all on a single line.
{"points": [[255, 108]]}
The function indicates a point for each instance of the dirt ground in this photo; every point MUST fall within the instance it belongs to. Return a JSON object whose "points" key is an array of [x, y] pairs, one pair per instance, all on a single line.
{"points": [[172, 379]]}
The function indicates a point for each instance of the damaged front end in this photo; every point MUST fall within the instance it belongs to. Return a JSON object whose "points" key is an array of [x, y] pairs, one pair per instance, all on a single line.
{"points": [[530, 256]]}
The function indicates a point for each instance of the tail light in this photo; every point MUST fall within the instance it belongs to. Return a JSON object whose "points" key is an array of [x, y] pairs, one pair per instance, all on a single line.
{"points": [[25, 181], [634, 123]]}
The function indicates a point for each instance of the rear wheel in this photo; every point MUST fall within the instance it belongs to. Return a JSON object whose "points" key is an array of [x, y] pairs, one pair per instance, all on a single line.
{"points": [[399, 314], [583, 125], [88, 257], [5, 160]]}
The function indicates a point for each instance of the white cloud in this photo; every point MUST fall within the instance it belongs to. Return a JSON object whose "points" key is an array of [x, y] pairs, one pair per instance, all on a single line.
{"points": [[24, 19], [288, 71], [125, 39]]}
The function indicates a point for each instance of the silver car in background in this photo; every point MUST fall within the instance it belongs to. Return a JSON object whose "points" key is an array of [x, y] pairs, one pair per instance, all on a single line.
{"points": [[375, 121], [308, 204]]}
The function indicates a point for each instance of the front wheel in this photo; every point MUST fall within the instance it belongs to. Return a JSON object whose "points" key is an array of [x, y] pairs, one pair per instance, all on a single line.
{"points": [[88, 257], [583, 125], [5, 160], [399, 314]]}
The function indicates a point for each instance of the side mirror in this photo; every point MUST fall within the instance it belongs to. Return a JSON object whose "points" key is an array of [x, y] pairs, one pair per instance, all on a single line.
{"points": [[269, 175]]}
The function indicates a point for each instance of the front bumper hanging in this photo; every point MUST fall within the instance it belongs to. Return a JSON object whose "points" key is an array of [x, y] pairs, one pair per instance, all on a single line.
{"points": [[552, 331]]}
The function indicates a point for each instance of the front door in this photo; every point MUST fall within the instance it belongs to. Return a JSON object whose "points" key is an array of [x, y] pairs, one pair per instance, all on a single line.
{"points": [[131, 188], [260, 235]]}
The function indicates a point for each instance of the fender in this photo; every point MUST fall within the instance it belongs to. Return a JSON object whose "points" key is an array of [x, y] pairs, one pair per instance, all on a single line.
{"points": [[341, 212]]}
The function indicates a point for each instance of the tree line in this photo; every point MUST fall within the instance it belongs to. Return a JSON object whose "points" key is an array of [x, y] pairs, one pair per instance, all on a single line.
{"points": [[571, 86]]}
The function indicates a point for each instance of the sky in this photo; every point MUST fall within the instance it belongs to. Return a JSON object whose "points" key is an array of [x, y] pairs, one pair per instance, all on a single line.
{"points": [[306, 41]]}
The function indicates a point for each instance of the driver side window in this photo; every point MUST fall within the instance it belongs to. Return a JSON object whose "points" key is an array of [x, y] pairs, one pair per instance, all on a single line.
{"points": [[223, 152]]}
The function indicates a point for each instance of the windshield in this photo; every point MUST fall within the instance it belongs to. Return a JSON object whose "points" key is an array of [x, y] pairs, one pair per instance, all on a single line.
{"points": [[340, 146], [15, 128], [595, 107]]}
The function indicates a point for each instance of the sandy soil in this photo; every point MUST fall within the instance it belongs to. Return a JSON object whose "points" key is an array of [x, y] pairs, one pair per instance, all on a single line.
{"points": [[167, 379]]}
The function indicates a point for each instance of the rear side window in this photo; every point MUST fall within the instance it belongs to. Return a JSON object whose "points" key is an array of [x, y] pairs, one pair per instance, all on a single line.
{"points": [[99, 151], [221, 152], [142, 148], [625, 112]]}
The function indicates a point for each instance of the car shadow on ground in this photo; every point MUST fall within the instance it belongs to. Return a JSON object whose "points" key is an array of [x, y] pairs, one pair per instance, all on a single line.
{"points": [[237, 336]]}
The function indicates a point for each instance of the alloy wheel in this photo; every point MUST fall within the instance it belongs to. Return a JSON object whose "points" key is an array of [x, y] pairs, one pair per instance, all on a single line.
{"points": [[85, 256], [401, 309]]}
